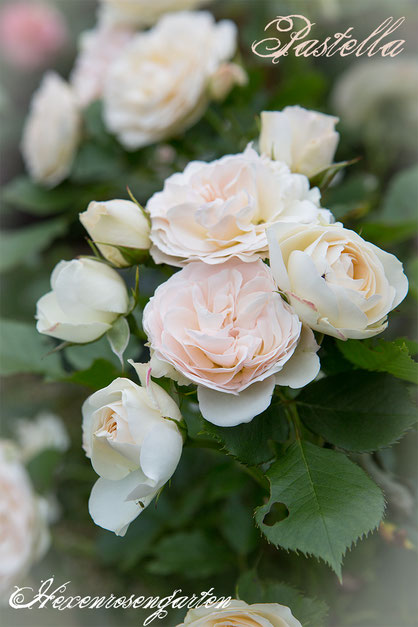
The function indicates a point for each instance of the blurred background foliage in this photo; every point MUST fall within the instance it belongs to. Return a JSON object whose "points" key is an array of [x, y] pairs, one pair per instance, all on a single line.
{"points": [[201, 533]]}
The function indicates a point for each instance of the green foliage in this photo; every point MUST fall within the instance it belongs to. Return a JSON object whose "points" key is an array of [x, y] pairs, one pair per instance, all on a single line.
{"points": [[191, 554], [100, 374], [24, 350], [17, 246], [237, 526], [401, 199], [381, 356], [26, 195], [357, 411], [310, 612], [330, 500], [253, 443], [42, 468]]}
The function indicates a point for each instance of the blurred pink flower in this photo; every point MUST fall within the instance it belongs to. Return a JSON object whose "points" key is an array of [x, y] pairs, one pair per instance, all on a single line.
{"points": [[30, 33]]}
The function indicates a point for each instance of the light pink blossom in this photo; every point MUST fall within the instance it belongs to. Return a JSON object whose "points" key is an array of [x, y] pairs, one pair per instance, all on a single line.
{"points": [[229, 331], [31, 33]]}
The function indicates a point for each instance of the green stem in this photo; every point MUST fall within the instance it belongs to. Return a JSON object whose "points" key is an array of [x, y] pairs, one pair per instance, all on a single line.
{"points": [[257, 475]]}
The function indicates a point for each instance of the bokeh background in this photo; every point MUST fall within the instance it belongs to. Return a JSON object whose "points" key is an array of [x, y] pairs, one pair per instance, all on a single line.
{"points": [[201, 534]]}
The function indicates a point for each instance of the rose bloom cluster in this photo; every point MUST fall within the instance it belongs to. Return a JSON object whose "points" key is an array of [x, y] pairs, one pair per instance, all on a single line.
{"points": [[154, 65], [261, 267]]}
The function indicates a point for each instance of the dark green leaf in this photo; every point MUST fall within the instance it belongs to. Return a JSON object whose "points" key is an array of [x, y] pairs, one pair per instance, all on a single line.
{"points": [[251, 443], [310, 612], [42, 467], [330, 500], [401, 199], [357, 411], [381, 356], [18, 246], [32, 198], [237, 526], [193, 554], [23, 349], [100, 374]]}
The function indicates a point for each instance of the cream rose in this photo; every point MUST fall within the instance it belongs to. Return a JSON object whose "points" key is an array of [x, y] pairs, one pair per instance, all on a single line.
{"points": [[130, 435], [23, 528], [240, 614], [86, 298], [158, 85], [305, 140], [228, 330], [98, 48], [52, 131], [45, 431], [141, 12], [117, 223], [338, 283], [214, 211]]}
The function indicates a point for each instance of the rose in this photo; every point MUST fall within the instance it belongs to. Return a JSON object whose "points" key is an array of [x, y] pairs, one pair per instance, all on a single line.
{"points": [[228, 330], [141, 12], [305, 140], [338, 283], [241, 614], [98, 48], [225, 78], [23, 529], [131, 436], [214, 211], [52, 131], [158, 85], [86, 298], [31, 33], [44, 432], [120, 223]]}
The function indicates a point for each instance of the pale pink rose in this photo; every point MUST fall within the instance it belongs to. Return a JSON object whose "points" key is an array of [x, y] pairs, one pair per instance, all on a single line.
{"points": [[229, 331], [214, 211], [97, 49], [31, 33]]}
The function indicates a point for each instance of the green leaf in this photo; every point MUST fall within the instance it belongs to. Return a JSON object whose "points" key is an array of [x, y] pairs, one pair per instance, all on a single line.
{"points": [[330, 500], [381, 356], [42, 468], [323, 178], [252, 443], [401, 199], [192, 554], [32, 198], [24, 350], [237, 526], [357, 411], [118, 336], [310, 612], [100, 374], [19, 245]]}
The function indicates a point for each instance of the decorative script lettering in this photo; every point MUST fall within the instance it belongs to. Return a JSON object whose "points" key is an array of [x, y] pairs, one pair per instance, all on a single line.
{"points": [[299, 27]]}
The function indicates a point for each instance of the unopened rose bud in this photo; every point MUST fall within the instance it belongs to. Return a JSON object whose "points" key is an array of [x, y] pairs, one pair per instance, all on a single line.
{"points": [[120, 230], [225, 78]]}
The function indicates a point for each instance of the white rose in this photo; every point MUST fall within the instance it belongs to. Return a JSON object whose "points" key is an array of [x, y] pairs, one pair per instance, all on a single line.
{"points": [[119, 223], [305, 140], [86, 298], [98, 48], [23, 529], [214, 211], [158, 85], [338, 283], [130, 435], [45, 431], [241, 614], [141, 12], [225, 78], [52, 131]]}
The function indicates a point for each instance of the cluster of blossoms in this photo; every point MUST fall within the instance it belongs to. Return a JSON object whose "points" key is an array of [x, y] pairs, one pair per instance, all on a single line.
{"points": [[262, 266], [154, 82]]}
